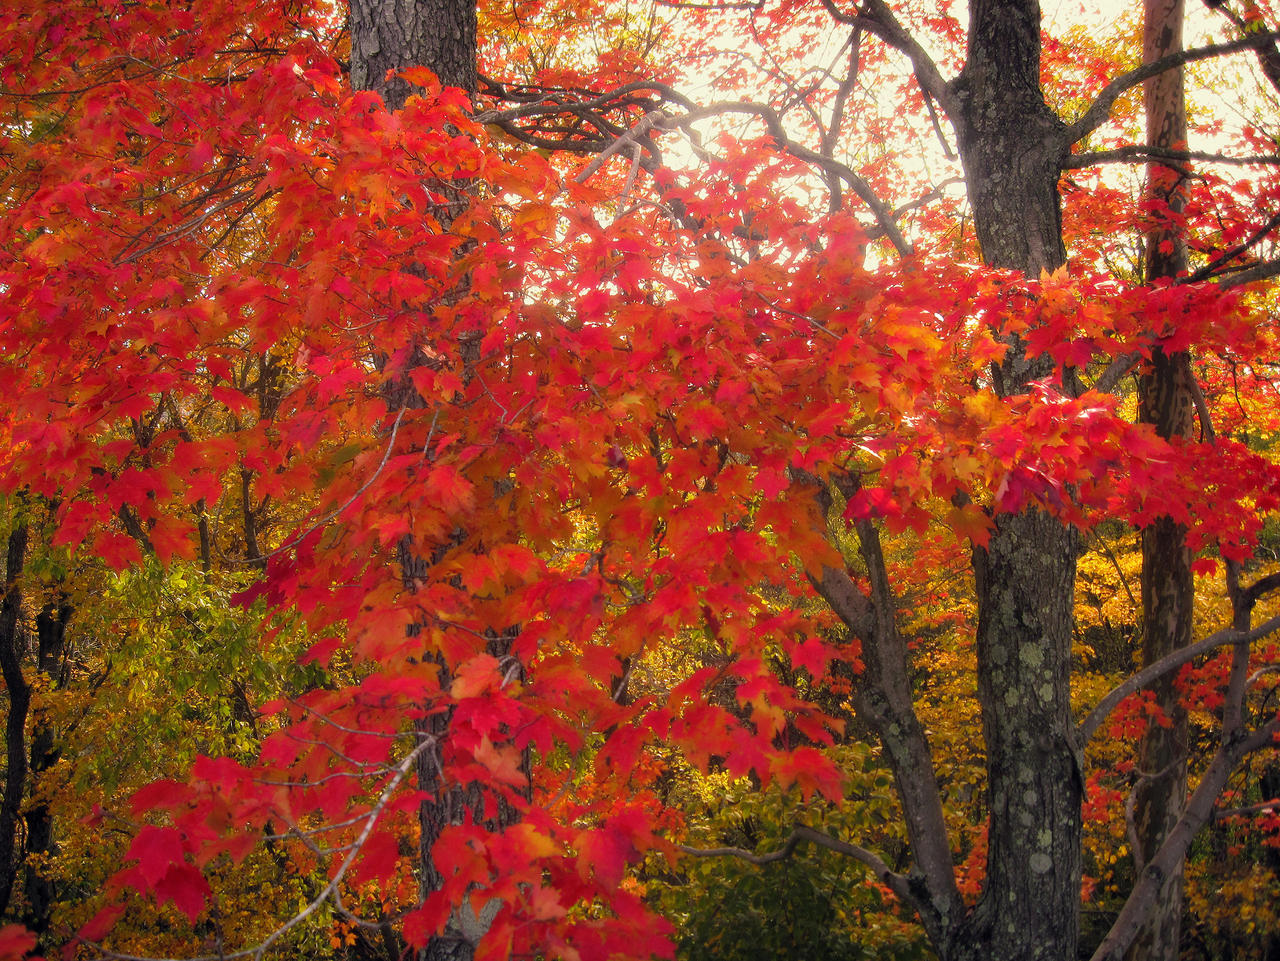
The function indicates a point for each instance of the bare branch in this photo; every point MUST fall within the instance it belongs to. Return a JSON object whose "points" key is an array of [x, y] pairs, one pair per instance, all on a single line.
{"points": [[328, 892], [1261, 588], [843, 91], [1262, 672], [1196, 814], [1116, 370], [849, 603], [627, 140], [1141, 153], [1207, 433], [937, 126], [898, 883], [386, 455], [1263, 271], [878, 19], [773, 122], [1229, 255], [1136, 682], [1098, 112], [1268, 54], [607, 139], [1220, 814], [931, 194], [883, 697]]}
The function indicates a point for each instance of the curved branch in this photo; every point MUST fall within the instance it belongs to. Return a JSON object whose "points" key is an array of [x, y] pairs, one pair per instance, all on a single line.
{"points": [[1197, 813], [1261, 588], [330, 890], [629, 139], [1227, 256], [613, 138], [1268, 55], [1136, 682], [1098, 112], [773, 122], [884, 699], [386, 456], [899, 884], [878, 19]]}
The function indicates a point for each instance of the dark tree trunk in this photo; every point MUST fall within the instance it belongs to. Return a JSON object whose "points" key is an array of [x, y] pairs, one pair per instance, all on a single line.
{"points": [[1168, 590], [11, 649], [1012, 146], [390, 35], [51, 635]]}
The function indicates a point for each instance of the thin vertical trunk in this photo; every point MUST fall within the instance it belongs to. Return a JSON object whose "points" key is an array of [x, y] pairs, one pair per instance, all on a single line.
{"points": [[1167, 587], [51, 637], [11, 645], [1012, 146]]}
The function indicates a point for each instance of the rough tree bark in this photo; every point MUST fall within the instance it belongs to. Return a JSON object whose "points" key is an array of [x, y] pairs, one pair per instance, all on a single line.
{"points": [[1012, 146], [1168, 591], [390, 35]]}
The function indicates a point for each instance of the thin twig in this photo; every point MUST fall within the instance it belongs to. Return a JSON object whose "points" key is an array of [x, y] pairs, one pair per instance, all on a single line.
{"points": [[386, 456], [326, 893]]}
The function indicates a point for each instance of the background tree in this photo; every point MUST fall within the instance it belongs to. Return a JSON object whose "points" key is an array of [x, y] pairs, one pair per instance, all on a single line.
{"points": [[1165, 401]]}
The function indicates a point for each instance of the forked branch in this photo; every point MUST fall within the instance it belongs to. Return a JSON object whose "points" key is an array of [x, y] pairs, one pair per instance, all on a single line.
{"points": [[602, 123], [877, 18], [1198, 812]]}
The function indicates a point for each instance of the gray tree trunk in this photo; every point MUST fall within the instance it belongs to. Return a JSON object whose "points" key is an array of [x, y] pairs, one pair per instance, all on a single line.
{"points": [[391, 35], [1012, 146]]}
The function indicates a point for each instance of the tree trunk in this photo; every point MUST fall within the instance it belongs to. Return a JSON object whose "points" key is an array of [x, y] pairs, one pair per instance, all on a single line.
{"points": [[390, 35], [1030, 904], [1168, 591], [1012, 146], [11, 645], [51, 634]]}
